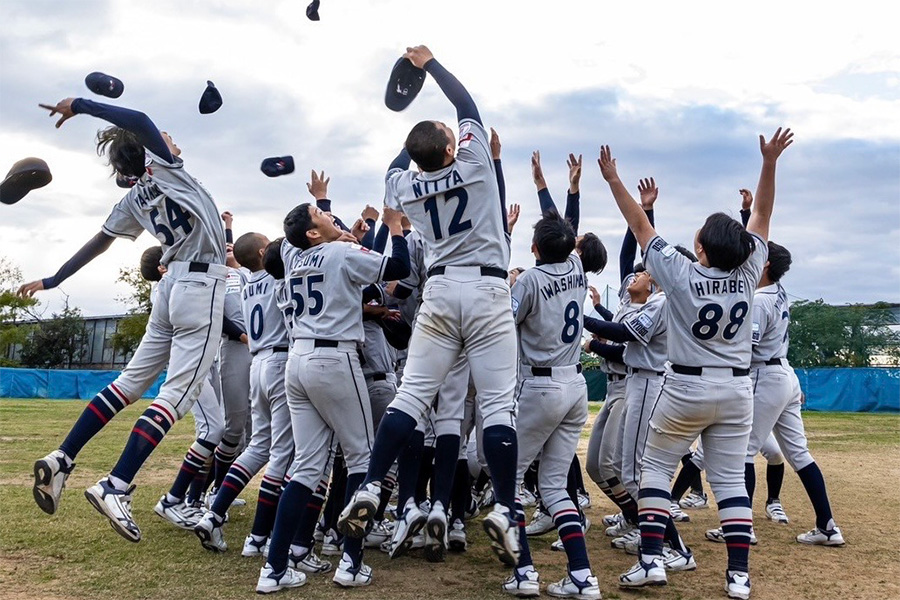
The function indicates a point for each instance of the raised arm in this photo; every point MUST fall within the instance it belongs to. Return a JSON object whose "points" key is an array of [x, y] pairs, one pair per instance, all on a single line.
{"points": [[98, 244], [398, 265], [635, 217], [537, 176], [649, 192], [422, 57], [501, 182], [765, 189], [573, 196], [746, 203], [131, 120], [370, 217]]}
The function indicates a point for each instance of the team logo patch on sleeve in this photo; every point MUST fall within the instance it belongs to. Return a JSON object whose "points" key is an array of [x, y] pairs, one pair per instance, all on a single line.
{"points": [[515, 306], [756, 334], [658, 244], [360, 248], [641, 324], [668, 251], [465, 135]]}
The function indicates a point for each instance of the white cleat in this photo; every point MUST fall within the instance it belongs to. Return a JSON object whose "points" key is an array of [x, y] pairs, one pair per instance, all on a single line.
{"points": [[180, 514], [308, 562], [541, 523], [584, 500], [610, 520], [253, 548], [50, 474], [456, 537], [405, 529], [644, 574], [526, 498], [694, 500], [356, 516], [678, 515], [558, 546], [716, 535], [737, 585], [503, 532], [209, 530], [269, 583], [676, 560], [822, 537], [571, 588], [620, 543], [436, 534], [348, 576], [522, 586], [775, 512], [381, 532], [115, 505], [332, 543], [621, 528]]}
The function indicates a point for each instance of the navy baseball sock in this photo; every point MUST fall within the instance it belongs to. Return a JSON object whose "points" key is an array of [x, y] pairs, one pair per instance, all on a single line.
{"points": [[462, 491], [579, 475], [525, 559], [225, 454], [814, 482], [198, 484], [426, 468], [653, 513], [234, 483], [501, 450], [531, 477], [393, 435], [387, 490], [353, 547], [481, 481], [194, 460], [689, 472], [624, 500], [287, 519], [674, 538], [774, 479], [147, 433], [572, 481], [750, 480], [266, 504], [307, 528], [446, 453], [103, 407], [336, 493], [408, 469], [568, 523], [736, 517]]}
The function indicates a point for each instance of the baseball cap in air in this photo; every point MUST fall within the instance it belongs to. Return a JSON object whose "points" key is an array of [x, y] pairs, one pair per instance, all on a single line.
{"points": [[26, 175], [404, 85], [312, 11], [211, 100], [277, 165], [104, 85]]}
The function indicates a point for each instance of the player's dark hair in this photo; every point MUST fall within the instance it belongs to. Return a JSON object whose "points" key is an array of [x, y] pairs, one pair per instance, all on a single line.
{"points": [[554, 238], [639, 268], [124, 150], [725, 241], [296, 224], [272, 261], [593, 253], [779, 261], [426, 144], [150, 263], [686, 253], [246, 250]]}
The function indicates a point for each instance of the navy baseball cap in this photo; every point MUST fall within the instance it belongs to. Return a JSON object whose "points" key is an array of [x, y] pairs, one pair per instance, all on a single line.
{"points": [[26, 175], [211, 100], [104, 85], [404, 85], [277, 165], [312, 11]]}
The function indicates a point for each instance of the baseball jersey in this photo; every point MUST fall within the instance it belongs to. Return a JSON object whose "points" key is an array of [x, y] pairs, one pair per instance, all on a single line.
{"points": [[771, 318], [647, 323], [176, 209], [325, 285], [416, 278], [624, 308], [380, 356], [264, 319], [456, 210], [283, 301], [707, 308], [235, 281], [547, 301]]}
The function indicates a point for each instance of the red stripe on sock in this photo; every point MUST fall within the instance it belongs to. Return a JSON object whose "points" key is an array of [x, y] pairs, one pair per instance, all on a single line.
{"points": [[734, 545], [575, 534], [118, 393], [652, 535], [232, 486], [165, 412], [99, 414], [262, 500], [146, 436]]}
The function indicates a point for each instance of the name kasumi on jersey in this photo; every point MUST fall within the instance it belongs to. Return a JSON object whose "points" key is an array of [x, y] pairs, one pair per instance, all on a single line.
{"points": [[563, 283]]}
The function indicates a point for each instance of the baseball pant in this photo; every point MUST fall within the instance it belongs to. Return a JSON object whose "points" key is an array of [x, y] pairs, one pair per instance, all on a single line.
{"points": [[641, 392], [776, 410], [209, 419], [381, 394], [234, 369], [604, 458]]}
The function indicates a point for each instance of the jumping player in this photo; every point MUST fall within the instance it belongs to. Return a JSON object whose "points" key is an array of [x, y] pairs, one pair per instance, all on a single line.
{"points": [[707, 390], [185, 320]]}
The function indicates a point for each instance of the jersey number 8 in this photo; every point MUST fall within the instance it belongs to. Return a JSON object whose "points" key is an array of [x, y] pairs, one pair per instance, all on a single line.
{"points": [[707, 325]]}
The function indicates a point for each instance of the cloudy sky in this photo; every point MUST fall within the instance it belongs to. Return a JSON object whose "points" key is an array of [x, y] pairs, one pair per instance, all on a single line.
{"points": [[680, 91]]}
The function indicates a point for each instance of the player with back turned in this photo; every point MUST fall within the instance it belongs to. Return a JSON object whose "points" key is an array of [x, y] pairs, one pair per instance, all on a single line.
{"points": [[707, 389], [186, 318], [455, 205]]}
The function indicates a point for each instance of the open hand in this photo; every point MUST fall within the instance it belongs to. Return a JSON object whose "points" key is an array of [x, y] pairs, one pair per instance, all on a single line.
{"points": [[318, 185], [607, 164], [537, 173], [63, 108], [574, 172], [495, 145], [649, 193], [27, 290], [512, 216], [772, 149]]}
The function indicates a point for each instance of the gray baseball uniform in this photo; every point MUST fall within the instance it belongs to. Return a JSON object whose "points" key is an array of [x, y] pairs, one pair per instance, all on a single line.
{"points": [[326, 390], [234, 361], [552, 397], [378, 369]]}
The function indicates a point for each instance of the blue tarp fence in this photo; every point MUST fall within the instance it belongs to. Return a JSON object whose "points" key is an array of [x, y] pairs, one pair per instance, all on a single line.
{"points": [[850, 390]]}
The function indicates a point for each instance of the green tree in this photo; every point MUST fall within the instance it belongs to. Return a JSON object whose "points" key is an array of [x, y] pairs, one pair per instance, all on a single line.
{"points": [[131, 328], [56, 342], [823, 335], [12, 309]]}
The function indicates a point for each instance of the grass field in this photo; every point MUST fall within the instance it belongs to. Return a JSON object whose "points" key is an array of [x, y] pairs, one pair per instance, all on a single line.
{"points": [[75, 554]]}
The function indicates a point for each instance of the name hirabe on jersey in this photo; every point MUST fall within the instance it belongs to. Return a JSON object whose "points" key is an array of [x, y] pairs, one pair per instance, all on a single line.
{"points": [[711, 287], [563, 283], [422, 187]]}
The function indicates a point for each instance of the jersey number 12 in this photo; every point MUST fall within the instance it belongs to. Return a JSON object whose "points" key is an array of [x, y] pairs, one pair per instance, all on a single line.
{"points": [[457, 225]]}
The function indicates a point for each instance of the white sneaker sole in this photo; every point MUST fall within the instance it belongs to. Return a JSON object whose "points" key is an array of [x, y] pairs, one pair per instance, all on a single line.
{"points": [[101, 508], [271, 589], [43, 487], [355, 517], [206, 541], [496, 533], [435, 532], [404, 544]]}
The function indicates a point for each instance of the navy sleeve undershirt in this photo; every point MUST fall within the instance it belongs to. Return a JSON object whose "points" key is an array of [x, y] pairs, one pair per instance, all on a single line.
{"points": [[97, 245], [573, 209], [745, 216], [368, 240], [381, 238], [604, 312], [398, 264], [231, 329], [501, 186], [611, 352], [454, 90], [629, 250], [612, 331], [546, 201], [131, 120]]}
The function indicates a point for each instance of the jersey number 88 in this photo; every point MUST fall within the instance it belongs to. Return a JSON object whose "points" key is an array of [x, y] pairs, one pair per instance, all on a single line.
{"points": [[707, 325]]}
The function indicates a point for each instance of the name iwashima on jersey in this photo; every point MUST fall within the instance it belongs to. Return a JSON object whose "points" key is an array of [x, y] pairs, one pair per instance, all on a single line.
{"points": [[561, 284]]}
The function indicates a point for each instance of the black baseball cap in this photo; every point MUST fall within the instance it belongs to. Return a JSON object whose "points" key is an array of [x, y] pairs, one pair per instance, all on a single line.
{"points": [[26, 175], [211, 100], [404, 85], [312, 11], [104, 85], [277, 165]]}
